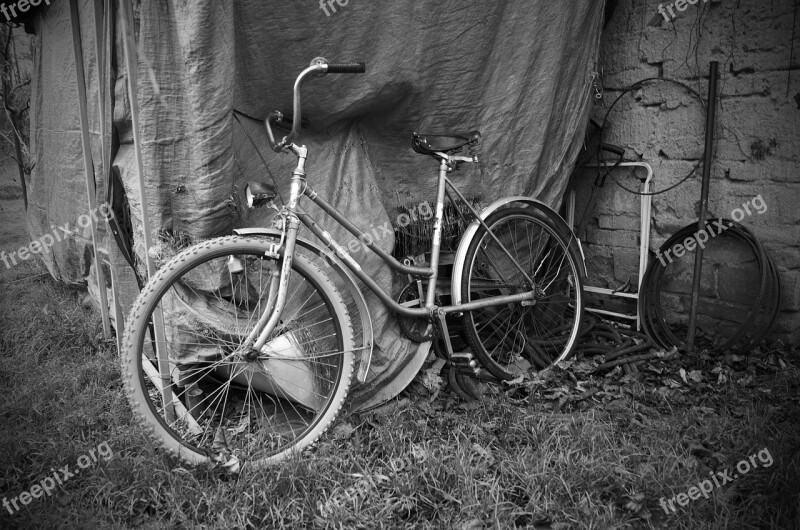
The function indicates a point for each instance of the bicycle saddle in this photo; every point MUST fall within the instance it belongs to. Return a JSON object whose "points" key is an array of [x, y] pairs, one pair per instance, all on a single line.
{"points": [[427, 144]]}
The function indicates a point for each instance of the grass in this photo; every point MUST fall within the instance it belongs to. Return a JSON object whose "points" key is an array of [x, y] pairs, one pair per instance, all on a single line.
{"points": [[543, 454]]}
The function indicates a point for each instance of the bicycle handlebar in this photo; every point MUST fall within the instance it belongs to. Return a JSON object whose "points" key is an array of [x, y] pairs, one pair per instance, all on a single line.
{"points": [[319, 66]]}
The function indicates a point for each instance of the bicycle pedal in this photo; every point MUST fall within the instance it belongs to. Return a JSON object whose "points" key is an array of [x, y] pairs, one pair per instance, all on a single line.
{"points": [[465, 370], [465, 364]]}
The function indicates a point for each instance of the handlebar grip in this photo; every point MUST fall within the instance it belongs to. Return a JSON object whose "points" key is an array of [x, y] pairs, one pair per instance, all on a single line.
{"points": [[347, 68]]}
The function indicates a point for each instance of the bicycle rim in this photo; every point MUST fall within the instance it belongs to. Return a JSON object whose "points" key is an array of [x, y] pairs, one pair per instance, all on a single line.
{"points": [[515, 338], [230, 405]]}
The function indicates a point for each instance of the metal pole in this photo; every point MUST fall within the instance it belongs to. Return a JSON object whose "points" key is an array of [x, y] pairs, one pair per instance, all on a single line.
{"points": [[88, 165], [708, 155]]}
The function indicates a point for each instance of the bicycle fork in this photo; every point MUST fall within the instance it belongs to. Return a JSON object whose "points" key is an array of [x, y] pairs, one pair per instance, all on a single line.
{"points": [[276, 303]]}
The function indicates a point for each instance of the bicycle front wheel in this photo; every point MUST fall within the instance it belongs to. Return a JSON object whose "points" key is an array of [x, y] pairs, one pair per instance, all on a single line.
{"points": [[205, 397], [511, 339]]}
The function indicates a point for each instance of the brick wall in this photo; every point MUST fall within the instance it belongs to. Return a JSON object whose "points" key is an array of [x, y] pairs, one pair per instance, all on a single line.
{"points": [[757, 146]]}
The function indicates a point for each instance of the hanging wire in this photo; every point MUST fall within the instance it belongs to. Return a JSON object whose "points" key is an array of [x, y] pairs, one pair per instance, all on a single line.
{"points": [[637, 85], [258, 151]]}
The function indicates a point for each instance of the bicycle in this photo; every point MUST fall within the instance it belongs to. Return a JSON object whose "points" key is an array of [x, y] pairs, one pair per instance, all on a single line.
{"points": [[241, 349]]}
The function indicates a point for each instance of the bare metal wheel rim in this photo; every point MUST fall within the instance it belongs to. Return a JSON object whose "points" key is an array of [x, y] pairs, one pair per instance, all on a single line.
{"points": [[515, 338]]}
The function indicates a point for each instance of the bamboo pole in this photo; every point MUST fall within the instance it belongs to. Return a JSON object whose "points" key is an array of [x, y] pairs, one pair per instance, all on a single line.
{"points": [[88, 165]]}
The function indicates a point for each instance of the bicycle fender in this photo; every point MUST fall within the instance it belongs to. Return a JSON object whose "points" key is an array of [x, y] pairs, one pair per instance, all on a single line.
{"points": [[336, 264], [461, 254]]}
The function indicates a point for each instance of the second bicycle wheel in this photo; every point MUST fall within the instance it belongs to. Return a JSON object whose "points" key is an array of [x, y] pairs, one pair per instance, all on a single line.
{"points": [[203, 395], [511, 339]]}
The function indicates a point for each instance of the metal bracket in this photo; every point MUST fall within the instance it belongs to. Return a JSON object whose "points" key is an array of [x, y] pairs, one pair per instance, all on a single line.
{"points": [[274, 250]]}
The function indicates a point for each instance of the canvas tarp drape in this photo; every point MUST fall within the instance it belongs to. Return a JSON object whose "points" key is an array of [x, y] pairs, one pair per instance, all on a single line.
{"points": [[520, 71]]}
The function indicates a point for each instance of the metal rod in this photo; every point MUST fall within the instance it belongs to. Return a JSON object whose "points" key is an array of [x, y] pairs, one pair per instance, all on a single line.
{"points": [[708, 155], [493, 301], [644, 232], [436, 244], [88, 164], [494, 238], [425, 272], [396, 307]]}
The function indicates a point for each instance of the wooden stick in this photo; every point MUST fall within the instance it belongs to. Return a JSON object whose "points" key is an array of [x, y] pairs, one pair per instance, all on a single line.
{"points": [[180, 409], [131, 66], [102, 23], [88, 164]]}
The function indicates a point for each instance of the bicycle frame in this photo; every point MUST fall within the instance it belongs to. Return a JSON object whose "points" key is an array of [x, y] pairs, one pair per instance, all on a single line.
{"points": [[294, 216]]}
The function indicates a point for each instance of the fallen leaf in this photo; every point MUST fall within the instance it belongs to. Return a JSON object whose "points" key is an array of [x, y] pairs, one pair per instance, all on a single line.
{"points": [[475, 524], [515, 381], [634, 502], [430, 377], [695, 375], [419, 452], [343, 430], [483, 453]]}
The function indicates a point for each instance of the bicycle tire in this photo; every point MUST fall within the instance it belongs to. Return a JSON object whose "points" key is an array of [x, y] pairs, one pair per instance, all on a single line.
{"points": [[264, 380], [542, 348]]}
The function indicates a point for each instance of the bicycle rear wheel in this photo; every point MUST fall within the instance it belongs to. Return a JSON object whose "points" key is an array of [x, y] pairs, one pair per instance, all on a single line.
{"points": [[230, 405], [511, 339]]}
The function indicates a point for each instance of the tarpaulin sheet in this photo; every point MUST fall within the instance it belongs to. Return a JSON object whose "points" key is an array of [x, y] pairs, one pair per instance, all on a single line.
{"points": [[58, 209], [519, 71]]}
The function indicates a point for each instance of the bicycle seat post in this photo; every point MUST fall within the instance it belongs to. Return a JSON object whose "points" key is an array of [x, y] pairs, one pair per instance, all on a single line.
{"points": [[444, 167]]}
